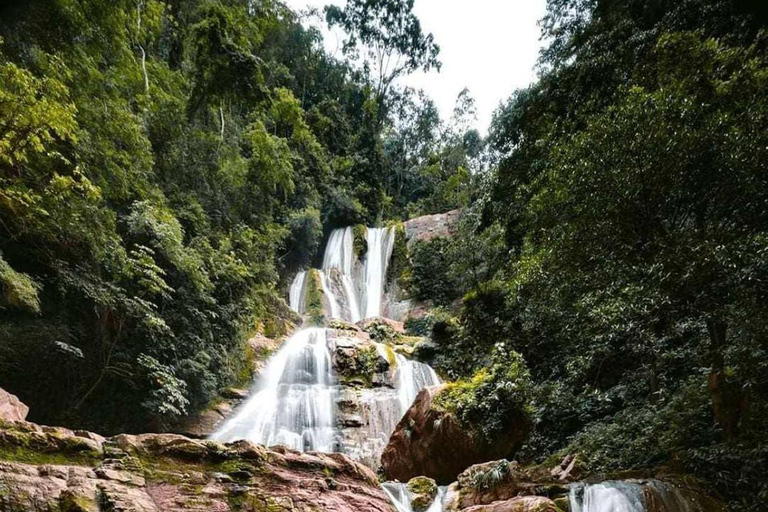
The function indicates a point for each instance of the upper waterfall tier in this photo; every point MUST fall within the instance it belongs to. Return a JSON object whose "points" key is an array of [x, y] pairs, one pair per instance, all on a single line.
{"points": [[351, 289]]}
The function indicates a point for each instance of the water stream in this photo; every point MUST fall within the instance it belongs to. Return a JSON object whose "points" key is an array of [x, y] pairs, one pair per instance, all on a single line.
{"points": [[292, 404], [353, 289]]}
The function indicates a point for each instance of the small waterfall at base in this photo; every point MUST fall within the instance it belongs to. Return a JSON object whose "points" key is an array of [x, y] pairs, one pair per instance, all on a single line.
{"points": [[381, 242], [633, 496], [401, 497], [292, 404], [607, 497]]}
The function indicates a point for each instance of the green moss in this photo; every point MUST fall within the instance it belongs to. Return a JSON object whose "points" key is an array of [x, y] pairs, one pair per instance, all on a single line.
{"points": [[399, 269], [360, 370], [31, 456], [424, 491], [314, 298], [359, 233]]}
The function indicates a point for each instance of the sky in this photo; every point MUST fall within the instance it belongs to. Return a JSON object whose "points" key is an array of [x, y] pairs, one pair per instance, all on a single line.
{"points": [[488, 46]]}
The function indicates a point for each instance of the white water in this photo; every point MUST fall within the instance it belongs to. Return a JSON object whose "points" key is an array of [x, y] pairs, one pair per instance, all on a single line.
{"points": [[401, 497], [339, 285], [381, 241], [607, 497], [293, 402], [381, 408], [412, 377], [296, 292]]}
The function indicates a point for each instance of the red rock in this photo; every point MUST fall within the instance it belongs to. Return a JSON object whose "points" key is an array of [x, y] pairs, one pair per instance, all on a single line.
{"points": [[427, 227], [11, 408], [430, 442], [519, 504]]}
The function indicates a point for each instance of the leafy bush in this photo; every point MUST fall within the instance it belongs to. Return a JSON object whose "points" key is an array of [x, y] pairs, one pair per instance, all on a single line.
{"points": [[493, 398]]}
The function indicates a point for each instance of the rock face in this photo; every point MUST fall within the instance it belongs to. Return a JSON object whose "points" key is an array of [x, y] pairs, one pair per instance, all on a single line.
{"points": [[428, 227], [520, 504], [503, 486], [11, 408], [45, 469], [433, 443]]}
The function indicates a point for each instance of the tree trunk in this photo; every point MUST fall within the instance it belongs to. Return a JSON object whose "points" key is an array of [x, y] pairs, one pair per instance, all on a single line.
{"points": [[728, 399]]}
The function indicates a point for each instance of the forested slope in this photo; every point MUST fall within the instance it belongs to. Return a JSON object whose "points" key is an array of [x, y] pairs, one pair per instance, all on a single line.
{"points": [[160, 164], [620, 245]]}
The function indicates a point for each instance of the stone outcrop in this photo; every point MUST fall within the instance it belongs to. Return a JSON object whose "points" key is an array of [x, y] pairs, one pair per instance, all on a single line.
{"points": [[508, 486], [44, 469], [423, 492], [432, 442], [520, 504], [427, 227], [11, 408], [367, 323]]}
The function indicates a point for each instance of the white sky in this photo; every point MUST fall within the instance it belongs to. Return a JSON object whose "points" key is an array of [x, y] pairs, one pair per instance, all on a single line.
{"points": [[488, 46]]}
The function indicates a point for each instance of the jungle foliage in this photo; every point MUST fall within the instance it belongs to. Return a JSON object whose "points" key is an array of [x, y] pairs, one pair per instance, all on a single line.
{"points": [[161, 165], [625, 223]]}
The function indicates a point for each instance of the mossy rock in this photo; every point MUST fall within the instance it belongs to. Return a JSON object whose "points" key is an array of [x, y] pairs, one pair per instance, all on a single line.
{"points": [[360, 240], [423, 492], [563, 503], [314, 299]]}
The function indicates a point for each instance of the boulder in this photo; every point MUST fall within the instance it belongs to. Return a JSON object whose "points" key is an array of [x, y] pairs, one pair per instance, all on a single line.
{"points": [[427, 227], [170, 473], [519, 504], [423, 492], [11, 408], [431, 442], [396, 326]]}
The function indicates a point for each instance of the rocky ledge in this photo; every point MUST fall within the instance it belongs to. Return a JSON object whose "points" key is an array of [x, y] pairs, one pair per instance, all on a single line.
{"points": [[429, 441], [53, 469]]}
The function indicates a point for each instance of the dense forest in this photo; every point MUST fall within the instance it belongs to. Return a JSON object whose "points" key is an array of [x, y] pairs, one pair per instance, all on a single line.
{"points": [[166, 166], [164, 162]]}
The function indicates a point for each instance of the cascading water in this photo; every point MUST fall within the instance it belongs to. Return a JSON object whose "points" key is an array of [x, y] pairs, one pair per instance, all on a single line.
{"points": [[401, 497], [607, 497], [632, 496], [412, 377], [381, 241], [382, 408], [293, 403], [337, 276], [296, 292]]}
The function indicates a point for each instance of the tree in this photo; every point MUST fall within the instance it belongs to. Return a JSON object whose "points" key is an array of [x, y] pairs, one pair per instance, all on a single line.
{"points": [[388, 37]]}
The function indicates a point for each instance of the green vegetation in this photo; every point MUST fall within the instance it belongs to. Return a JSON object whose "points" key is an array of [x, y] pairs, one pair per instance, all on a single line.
{"points": [[313, 297], [620, 243], [493, 399], [161, 164]]}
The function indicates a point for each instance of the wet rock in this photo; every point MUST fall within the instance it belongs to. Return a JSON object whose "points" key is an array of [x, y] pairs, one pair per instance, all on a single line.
{"points": [[170, 473], [423, 492], [11, 408], [431, 442], [519, 504]]}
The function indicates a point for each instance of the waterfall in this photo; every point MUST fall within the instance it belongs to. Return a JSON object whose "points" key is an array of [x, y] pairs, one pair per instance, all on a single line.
{"points": [[344, 283], [381, 241], [401, 497], [607, 496], [293, 402], [337, 275], [412, 377], [296, 292], [382, 408]]}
